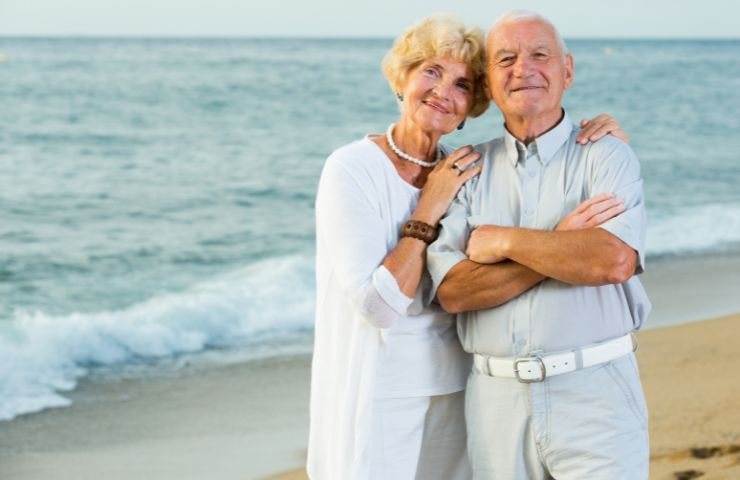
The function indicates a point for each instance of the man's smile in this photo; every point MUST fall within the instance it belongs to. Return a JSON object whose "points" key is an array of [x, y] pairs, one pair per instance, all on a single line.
{"points": [[525, 88]]}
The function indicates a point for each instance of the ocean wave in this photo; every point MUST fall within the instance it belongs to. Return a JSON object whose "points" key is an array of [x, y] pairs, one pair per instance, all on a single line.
{"points": [[42, 356], [699, 229], [263, 309]]}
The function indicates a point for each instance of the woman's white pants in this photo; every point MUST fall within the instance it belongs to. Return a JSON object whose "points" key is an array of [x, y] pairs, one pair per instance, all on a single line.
{"points": [[419, 438]]}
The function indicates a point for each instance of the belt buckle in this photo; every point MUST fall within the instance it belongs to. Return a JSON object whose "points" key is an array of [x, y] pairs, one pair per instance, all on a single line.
{"points": [[529, 359]]}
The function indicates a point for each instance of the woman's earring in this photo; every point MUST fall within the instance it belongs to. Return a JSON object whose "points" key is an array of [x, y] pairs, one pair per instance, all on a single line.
{"points": [[461, 126], [399, 97]]}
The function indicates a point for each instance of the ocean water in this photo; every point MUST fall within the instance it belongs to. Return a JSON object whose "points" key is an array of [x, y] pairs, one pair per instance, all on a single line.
{"points": [[156, 196]]}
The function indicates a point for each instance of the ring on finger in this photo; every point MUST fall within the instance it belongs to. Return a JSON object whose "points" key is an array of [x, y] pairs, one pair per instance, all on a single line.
{"points": [[460, 171]]}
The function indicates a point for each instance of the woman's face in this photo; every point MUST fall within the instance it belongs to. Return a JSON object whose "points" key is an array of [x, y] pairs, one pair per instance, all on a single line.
{"points": [[438, 95]]}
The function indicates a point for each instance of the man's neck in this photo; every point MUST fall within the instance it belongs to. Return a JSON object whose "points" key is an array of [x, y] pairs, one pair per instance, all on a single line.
{"points": [[528, 129]]}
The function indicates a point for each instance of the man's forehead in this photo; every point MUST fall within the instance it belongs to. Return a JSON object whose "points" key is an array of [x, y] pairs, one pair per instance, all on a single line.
{"points": [[522, 35]]}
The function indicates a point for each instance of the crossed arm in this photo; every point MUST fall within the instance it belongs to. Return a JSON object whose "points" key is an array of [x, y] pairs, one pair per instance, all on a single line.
{"points": [[504, 262]]}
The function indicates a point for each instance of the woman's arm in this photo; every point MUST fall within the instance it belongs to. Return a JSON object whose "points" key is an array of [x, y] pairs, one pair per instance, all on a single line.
{"points": [[352, 235], [600, 126], [406, 262]]}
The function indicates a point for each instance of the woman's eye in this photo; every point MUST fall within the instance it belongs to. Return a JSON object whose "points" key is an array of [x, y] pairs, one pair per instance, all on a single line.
{"points": [[464, 86]]}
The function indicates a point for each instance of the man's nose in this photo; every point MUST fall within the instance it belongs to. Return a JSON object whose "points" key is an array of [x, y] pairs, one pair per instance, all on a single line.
{"points": [[522, 66]]}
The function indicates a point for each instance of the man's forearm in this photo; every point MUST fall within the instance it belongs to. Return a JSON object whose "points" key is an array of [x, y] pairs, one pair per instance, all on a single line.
{"points": [[474, 286], [580, 257]]}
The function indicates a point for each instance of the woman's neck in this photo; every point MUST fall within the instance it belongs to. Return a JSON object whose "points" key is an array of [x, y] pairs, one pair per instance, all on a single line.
{"points": [[411, 140]]}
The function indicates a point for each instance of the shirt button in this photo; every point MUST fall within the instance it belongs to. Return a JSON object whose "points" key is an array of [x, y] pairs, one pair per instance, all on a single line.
{"points": [[532, 174], [521, 343], [528, 211]]}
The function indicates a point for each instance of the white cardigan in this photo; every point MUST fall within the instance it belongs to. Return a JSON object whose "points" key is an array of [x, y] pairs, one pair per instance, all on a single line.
{"points": [[360, 207]]}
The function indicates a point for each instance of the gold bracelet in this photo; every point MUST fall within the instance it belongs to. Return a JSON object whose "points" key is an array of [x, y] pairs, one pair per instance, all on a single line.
{"points": [[423, 231]]}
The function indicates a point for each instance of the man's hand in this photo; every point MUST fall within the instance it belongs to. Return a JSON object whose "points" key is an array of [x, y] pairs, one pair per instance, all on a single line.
{"points": [[485, 243], [592, 213]]}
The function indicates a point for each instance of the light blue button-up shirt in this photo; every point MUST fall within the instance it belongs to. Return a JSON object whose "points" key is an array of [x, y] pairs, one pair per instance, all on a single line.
{"points": [[536, 186]]}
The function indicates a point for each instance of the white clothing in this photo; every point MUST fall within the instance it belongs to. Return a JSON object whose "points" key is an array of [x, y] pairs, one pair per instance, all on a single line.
{"points": [[588, 424], [371, 341], [536, 186], [584, 424], [419, 438]]}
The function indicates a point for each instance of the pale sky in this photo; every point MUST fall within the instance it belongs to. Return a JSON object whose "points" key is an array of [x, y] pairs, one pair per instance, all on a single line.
{"points": [[342, 18]]}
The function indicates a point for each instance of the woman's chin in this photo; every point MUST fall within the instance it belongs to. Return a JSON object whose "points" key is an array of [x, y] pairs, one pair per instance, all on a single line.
{"points": [[437, 128]]}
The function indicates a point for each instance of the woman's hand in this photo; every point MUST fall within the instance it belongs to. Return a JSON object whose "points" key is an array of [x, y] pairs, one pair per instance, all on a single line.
{"points": [[592, 213], [444, 182], [598, 127]]}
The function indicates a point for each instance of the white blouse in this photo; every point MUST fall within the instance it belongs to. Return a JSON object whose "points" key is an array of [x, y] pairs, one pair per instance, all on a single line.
{"points": [[371, 341]]}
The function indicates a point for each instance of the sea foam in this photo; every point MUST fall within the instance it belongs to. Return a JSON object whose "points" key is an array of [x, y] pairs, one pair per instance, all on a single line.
{"points": [[42, 356], [249, 313], [694, 230]]}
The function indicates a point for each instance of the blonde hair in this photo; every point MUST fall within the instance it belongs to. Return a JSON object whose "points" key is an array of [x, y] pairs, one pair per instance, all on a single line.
{"points": [[439, 36]]}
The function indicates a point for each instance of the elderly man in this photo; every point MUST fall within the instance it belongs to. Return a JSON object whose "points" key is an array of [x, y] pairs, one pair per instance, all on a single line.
{"points": [[547, 303]]}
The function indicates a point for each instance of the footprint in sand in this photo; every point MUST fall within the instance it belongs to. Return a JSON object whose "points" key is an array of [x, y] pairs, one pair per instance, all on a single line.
{"points": [[687, 474], [702, 453]]}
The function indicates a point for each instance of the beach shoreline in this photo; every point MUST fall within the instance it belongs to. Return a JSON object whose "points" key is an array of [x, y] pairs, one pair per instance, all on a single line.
{"points": [[250, 420]]}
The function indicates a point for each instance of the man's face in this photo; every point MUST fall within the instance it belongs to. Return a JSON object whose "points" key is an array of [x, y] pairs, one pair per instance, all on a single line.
{"points": [[527, 71]]}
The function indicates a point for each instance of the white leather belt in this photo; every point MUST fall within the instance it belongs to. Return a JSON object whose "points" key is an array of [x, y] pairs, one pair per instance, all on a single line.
{"points": [[536, 369]]}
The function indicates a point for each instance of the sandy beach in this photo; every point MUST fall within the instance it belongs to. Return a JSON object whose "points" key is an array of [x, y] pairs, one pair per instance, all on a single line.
{"points": [[249, 421]]}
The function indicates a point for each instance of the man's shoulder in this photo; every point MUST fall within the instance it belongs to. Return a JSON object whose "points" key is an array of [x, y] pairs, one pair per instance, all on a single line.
{"points": [[605, 147], [607, 156], [490, 147]]}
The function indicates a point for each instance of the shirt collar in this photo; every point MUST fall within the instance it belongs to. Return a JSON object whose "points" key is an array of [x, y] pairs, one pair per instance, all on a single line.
{"points": [[546, 145]]}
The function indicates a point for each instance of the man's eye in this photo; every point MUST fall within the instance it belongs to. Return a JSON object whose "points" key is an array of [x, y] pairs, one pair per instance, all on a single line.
{"points": [[540, 56], [506, 61]]}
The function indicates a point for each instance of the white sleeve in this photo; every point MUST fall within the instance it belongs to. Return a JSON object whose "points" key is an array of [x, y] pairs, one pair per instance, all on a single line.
{"points": [[353, 235]]}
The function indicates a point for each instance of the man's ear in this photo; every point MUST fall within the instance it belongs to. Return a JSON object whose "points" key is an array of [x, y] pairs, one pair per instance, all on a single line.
{"points": [[570, 70]]}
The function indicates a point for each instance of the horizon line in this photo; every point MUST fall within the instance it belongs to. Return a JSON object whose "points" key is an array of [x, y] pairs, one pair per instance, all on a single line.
{"points": [[124, 36]]}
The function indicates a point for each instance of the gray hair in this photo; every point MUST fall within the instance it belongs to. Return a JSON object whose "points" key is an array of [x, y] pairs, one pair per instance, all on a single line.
{"points": [[519, 14]]}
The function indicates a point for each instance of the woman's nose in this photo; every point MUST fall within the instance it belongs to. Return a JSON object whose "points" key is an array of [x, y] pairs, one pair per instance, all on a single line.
{"points": [[442, 89]]}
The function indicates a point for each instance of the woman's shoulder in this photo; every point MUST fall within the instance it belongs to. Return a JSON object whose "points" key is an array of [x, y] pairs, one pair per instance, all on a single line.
{"points": [[360, 147], [360, 155], [352, 171]]}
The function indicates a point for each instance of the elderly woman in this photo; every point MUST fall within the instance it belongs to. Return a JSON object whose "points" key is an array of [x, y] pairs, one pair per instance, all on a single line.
{"points": [[388, 370]]}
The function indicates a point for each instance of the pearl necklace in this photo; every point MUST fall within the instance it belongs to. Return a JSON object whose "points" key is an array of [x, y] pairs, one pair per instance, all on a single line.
{"points": [[406, 156]]}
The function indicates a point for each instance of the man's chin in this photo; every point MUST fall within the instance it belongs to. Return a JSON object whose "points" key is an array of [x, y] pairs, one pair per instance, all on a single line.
{"points": [[525, 110]]}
